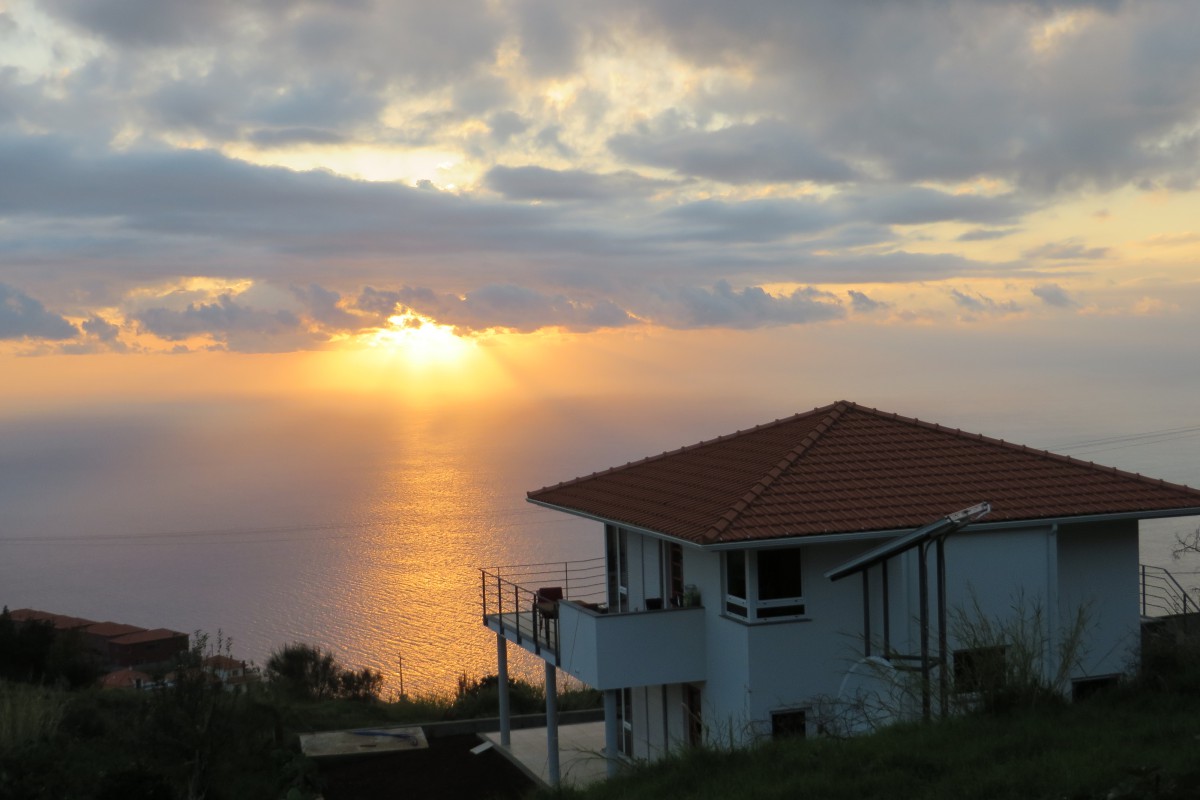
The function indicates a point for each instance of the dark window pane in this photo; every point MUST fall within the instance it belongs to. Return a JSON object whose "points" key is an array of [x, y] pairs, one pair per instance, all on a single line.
{"points": [[779, 574], [735, 573], [779, 611], [789, 724]]}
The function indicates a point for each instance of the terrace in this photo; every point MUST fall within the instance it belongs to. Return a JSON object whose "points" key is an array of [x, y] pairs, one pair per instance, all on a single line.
{"points": [[540, 606], [560, 613]]}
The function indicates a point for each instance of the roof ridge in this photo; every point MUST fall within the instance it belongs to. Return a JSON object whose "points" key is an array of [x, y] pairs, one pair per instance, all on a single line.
{"points": [[697, 445], [764, 483]]}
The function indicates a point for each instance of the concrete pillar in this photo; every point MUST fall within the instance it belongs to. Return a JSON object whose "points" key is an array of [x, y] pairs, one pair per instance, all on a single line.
{"points": [[612, 730], [552, 768], [502, 675]]}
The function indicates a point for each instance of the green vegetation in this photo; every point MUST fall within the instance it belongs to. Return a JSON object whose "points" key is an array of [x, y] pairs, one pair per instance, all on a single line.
{"points": [[1124, 745], [306, 672], [189, 738]]}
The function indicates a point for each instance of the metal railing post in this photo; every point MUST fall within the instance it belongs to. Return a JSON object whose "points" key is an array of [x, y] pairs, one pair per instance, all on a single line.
{"points": [[1143, 590]]}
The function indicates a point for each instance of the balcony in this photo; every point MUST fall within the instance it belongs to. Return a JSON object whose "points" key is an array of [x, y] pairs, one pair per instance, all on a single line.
{"points": [[579, 633]]}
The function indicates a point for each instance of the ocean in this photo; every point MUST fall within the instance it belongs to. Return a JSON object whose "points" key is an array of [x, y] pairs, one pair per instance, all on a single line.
{"points": [[358, 525]]}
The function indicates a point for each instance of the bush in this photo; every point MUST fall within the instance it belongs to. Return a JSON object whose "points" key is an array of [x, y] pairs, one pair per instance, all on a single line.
{"points": [[481, 697], [306, 672], [1011, 662]]}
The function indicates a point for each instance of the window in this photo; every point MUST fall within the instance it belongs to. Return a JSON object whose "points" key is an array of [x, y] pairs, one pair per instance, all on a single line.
{"points": [[780, 593], [979, 669], [674, 562], [617, 555], [1084, 688], [625, 745], [764, 584], [791, 723], [735, 583], [694, 710]]}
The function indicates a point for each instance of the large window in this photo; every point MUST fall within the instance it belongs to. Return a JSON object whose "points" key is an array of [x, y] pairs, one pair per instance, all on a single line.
{"points": [[617, 553], [764, 584]]}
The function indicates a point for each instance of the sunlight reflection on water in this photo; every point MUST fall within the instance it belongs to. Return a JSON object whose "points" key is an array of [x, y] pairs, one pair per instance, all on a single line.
{"points": [[357, 528]]}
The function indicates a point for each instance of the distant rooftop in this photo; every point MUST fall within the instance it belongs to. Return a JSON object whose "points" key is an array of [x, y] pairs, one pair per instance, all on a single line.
{"points": [[112, 630], [60, 622], [845, 468], [141, 636]]}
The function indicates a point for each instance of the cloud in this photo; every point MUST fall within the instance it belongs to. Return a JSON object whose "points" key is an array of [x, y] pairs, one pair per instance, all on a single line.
{"points": [[101, 329], [722, 306], [23, 317], [499, 306], [763, 152], [285, 137], [539, 183], [917, 205], [978, 305], [862, 304], [550, 138], [145, 23], [228, 322], [549, 126], [752, 220], [1069, 250], [986, 234], [1053, 295], [506, 124], [324, 306]]}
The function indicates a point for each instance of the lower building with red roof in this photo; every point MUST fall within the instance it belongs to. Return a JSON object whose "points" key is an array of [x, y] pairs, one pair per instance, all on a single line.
{"points": [[799, 574], [114, 644]]}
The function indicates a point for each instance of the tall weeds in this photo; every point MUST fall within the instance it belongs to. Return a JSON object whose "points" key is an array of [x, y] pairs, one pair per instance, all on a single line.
{"points": [[28, 714], [1017, 660]]}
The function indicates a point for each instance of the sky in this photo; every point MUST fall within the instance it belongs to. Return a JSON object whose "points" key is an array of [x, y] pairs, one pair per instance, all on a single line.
{"points": [[882, 201]]}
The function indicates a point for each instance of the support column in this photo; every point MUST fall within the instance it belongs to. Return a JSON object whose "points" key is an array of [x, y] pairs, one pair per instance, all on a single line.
{"points": [[552, 769], [923, 577], [502, 685], [612, 731]]}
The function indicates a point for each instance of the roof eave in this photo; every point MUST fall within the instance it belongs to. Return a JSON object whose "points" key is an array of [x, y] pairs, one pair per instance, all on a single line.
{"points": [[850, 536]]}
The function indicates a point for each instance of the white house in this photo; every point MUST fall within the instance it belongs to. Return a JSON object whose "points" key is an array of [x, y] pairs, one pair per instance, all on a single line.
{"points": [[744, 579]]}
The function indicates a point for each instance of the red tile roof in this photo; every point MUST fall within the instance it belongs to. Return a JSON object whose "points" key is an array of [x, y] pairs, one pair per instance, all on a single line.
{"points": [[60, 622], [845, 468], [112, 630], [127, 678], [142, 636]]}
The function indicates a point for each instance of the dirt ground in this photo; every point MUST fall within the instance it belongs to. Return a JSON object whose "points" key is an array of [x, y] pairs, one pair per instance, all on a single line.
{"points": [[447, 769]]}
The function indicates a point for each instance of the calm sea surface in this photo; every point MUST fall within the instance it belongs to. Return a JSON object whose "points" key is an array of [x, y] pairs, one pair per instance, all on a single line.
{"points": [[360, 528]]}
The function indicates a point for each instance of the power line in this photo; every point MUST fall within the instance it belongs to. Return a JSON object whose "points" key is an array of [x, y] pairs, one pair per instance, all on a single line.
{"points": [[1129, 440]]}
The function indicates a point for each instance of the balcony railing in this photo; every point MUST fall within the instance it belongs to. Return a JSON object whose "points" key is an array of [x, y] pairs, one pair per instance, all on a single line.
{"points": [[602, 648], [1162, 595], [510, 598]]}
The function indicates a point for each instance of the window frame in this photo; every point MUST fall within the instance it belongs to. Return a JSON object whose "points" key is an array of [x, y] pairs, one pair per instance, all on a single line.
{"points": [[752, 608]]}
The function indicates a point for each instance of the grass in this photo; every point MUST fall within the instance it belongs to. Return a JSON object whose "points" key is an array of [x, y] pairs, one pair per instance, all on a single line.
{"points": [[1125, 744], [28, 714]]}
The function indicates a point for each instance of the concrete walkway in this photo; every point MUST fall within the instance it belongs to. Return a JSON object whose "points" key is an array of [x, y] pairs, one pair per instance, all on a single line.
{"points": [[580, 752]]}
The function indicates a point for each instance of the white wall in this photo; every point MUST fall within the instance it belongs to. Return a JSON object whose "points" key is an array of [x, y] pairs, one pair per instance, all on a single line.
{"points": [[753, 670], [1097, 571]]}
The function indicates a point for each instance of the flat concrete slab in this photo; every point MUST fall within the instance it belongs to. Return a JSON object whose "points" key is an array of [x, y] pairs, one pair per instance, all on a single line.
{"points": [[362, 741], [580, 753]]}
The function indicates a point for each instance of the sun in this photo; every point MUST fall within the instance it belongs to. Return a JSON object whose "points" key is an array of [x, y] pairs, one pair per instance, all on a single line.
{"points": [[421, 339]]}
